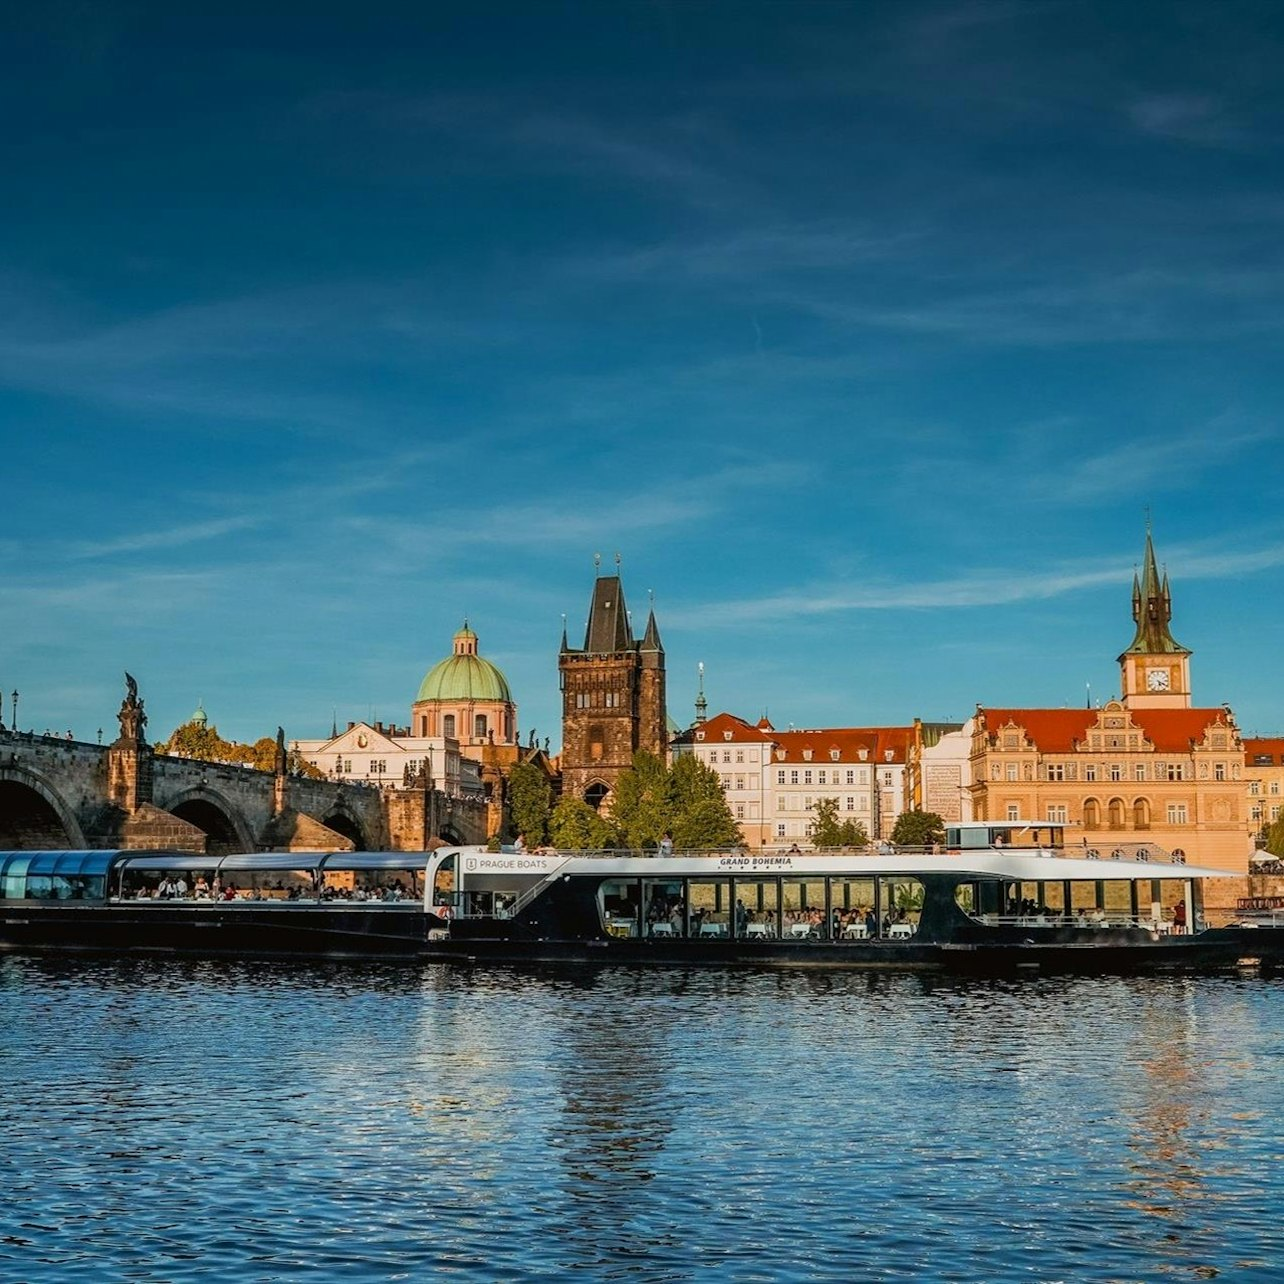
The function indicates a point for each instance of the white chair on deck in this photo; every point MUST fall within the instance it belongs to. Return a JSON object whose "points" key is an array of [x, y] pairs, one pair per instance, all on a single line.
{"points": [[855, 932]]}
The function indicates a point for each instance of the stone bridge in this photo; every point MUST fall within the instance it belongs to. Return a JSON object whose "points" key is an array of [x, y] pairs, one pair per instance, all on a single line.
{"points": [[67, 794]]}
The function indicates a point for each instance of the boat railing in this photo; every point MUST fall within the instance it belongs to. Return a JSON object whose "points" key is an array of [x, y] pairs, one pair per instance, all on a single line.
{"points": [[1092, 918], [536, 889], [1143, 853]]}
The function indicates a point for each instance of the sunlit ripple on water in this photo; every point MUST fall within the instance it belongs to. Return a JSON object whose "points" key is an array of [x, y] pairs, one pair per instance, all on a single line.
{"points": [[198, 1120]]}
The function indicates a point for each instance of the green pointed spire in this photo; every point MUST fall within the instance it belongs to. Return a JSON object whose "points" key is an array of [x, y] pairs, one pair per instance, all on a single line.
{"points": [[1152, 609]]}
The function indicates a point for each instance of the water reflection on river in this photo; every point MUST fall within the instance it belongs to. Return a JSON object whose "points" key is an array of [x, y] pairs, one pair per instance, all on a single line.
{"points": [[175, 1120]]}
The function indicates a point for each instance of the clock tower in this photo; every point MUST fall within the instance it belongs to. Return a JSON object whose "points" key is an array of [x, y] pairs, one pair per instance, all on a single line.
{"points": [[1155, 668]]}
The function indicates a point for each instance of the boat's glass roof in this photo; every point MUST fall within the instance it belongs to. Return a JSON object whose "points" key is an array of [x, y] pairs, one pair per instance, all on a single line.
{"points": [[77, 862]]}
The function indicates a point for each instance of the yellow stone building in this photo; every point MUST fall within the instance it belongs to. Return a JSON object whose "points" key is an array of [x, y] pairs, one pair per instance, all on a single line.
{"points": [[1147, 770], [1264, 782]]}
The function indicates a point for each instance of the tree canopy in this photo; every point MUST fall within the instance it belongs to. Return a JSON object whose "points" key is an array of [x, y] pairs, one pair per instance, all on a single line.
{"points": [[530, 802], [1275, 836], [828, 831], [918, 829], [575, 826], [192, 740], [685, 800]]}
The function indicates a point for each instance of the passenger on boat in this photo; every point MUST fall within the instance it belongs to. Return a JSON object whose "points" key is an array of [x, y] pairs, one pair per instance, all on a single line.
{"points": [[871, 923], [520, 844], [1179, 918], [666, 844], [201, 888], [229, 892], [742, 918]]}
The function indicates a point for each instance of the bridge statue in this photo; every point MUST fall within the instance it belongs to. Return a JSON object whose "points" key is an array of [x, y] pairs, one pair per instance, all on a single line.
{"points": [[133, 719], [279, 761]]}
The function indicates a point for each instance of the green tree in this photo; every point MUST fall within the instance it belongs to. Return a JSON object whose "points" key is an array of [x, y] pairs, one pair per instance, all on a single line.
{"points": [[574, 826], [828, 831], [191, 740], [642, 806], [530, 802], [1275, 837], [918, 829], [700, 817]]}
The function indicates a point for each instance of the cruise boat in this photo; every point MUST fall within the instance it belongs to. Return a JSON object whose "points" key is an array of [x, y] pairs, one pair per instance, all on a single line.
{"points": [[357, 904], [993, 897]]}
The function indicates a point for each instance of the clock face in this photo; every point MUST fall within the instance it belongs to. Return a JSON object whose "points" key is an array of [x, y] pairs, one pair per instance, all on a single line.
{"points": [[1157, 680]]}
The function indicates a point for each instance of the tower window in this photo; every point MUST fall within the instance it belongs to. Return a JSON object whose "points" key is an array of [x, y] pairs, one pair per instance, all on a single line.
{"points": [[479, 725], [448, 725]]}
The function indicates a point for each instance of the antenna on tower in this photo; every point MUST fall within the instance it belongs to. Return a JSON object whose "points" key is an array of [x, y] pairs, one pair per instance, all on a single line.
{"points": [[617, 562], [701, 704], [597, 561]]}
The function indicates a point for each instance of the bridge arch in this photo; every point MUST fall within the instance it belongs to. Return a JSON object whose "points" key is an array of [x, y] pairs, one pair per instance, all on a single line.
{"points": [[342, 821], [210, 811], [33, 816]]}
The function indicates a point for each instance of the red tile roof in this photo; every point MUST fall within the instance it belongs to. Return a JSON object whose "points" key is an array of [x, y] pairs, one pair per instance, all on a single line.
{"points": [[849, 741], [715, 729], [1264, 747], [1060, 730]]}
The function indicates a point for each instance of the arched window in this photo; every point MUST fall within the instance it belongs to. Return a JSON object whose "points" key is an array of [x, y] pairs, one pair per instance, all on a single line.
{"points": [[448, 725], [1115, 813], [1091, 814], [596, 794], [1141, 813], [479, 726]]}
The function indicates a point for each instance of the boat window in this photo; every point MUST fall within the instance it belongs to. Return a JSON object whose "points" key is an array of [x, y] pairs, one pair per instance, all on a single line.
{"points": [[852, 902], [666, 907], [443, 883], [760, 916], [902, 900], [710, 901], [53, 875], [619, 903], [803, 906]]}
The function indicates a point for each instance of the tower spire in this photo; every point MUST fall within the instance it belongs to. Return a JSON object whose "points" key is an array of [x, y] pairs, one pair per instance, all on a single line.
{"points": [[701, 704]]}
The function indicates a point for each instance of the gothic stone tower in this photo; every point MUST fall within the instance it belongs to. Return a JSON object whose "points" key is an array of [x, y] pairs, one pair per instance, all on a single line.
{"points": [[1155, 668], [613, 701]]}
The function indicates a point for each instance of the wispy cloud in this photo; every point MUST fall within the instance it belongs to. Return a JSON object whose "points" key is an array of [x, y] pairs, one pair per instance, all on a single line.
{"points": [[966, 591], [1188, 118], [172, 537], [1144, 464]]}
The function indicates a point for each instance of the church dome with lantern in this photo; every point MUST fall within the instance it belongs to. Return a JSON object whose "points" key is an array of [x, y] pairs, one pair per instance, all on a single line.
{"points": [[465, 696]]}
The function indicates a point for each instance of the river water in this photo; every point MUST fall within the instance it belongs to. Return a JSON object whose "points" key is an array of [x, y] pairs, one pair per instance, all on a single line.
{"points": [[194, 1120]]}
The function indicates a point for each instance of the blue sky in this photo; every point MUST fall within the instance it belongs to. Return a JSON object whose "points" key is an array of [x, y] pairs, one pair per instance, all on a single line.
{"points": [[865, 333]]}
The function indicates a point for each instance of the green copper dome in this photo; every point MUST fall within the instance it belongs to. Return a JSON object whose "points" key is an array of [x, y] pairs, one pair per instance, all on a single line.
{"points": [[199, 718], [464, 675]]}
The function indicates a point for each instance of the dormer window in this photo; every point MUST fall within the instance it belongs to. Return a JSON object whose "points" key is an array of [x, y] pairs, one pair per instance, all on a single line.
{"points": [[833, 755], [888, 755], [699, 735], [726, 735], [806, 755], [862, 754]]}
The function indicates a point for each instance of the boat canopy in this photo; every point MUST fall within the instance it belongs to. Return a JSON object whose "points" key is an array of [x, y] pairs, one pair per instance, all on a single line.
{"points": [[89, 863]]}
